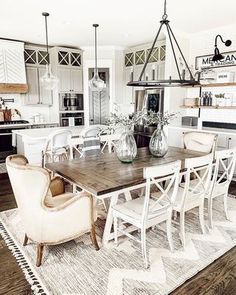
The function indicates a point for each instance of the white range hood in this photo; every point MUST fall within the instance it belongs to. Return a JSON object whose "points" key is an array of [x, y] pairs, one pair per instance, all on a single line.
{"points": [[12, 67]]}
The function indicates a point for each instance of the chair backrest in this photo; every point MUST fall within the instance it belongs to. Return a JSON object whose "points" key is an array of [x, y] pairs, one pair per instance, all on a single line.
{"points": [[200, 141], [91, 131], [201, 169], [91, 141], [224, 165], [157, 176], [30, 186], [91, 146], [58, 139]]}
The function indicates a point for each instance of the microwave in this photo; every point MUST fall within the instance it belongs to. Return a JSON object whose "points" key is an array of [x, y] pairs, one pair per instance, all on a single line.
{"points": [[71, 120], [71, 102]]}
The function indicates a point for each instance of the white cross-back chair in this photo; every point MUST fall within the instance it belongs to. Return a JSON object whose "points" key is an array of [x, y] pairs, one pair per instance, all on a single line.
{"points": [[109, 137], [225, 162], [191, 193], [57, 146], [145, 212], [88, 142]]}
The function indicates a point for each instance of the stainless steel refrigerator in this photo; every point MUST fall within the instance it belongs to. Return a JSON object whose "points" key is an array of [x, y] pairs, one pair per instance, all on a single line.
{"points": [[150, 99]]}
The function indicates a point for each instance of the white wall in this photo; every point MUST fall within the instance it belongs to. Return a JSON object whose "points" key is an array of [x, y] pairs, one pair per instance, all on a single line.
{"points": [[174, 95], [28, 111]]}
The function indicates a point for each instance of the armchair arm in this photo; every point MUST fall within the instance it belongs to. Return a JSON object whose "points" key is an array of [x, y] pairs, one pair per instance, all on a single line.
{"points": [[74, 217]]}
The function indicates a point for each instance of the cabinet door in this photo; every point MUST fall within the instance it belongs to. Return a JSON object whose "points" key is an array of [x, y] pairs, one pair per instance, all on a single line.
{"points": [[2, 68], [76, 77], [45, 95], [32, 97], [15, 67], [64, 79]]}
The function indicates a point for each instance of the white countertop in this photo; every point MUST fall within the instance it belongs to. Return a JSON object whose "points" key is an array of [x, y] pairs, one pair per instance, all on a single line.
{"points": [[43, 133], [9, 126], [205, 129]]}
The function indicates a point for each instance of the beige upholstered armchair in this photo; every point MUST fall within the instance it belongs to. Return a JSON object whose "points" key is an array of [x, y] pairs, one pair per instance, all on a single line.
{"points": [[50, 216], [200, 141]]}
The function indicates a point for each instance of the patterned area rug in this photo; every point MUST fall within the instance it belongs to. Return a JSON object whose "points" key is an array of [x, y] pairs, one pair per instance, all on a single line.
{"points": [[76, 268], [3, 168]]}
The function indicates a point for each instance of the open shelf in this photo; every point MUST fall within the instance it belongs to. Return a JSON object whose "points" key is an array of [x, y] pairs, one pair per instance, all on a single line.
{"points": [[208, 107], [213, 85]]}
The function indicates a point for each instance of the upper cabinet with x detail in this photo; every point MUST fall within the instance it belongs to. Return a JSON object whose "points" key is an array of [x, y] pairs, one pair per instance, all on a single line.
{"points": [[69, 57]]}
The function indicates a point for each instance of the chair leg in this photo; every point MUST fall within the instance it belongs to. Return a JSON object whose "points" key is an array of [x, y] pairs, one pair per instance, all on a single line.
{"points": [[25, 240], [169, 233], [210, 213], [115, 225], [143, 245], [39, 254], [182, 228], [93, 237], [201, 217], [226, 205]]}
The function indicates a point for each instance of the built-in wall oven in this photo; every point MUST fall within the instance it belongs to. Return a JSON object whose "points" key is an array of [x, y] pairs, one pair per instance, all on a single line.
{"points": [[71, 119]]}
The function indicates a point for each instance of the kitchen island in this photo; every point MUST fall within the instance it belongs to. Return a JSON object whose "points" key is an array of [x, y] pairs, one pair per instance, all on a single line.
{"points": [[31, 142]]}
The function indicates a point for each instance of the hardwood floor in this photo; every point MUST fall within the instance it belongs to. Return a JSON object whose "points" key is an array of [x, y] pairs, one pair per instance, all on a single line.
{"points": [[219, 278]]}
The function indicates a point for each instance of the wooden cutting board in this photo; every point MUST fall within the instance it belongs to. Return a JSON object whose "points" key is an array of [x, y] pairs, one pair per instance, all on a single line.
{"points": [[5, 115]]}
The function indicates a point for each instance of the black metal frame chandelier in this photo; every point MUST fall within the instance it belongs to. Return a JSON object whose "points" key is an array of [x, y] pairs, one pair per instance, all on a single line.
{"points": [[180, 81]]}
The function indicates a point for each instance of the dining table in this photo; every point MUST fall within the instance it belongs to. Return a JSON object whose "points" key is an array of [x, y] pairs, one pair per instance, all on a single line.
{"points": [[104, 176]]}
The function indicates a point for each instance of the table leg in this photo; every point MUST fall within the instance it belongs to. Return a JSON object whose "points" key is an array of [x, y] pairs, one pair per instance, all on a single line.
{"points": [[109, 143], [109, 221]]}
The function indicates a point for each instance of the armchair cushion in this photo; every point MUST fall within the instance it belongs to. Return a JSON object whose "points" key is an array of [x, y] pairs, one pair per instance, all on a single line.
{"points": [[57, 186]]}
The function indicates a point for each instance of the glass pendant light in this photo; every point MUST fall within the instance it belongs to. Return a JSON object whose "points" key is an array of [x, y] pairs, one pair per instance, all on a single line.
{"points": [[96, 84], [48, 80]]}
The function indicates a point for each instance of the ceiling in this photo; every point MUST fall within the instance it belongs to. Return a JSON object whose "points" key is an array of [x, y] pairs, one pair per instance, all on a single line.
{"points": [[122, 22]]}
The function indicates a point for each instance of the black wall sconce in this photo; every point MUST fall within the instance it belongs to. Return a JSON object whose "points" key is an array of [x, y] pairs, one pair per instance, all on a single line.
{"points": [[217, 55]]}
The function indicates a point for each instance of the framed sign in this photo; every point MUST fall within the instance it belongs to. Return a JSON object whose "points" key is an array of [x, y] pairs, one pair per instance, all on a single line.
{"points": [[205, 61]]}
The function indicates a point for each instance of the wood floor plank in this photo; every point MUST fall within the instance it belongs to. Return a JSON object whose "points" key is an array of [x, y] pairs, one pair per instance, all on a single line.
{"points": [[219, 278]]}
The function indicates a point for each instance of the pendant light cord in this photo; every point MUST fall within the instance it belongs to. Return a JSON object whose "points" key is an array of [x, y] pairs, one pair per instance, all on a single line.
{"points": [[46, 14], [96, 55], [164, 16], [46, 28]]}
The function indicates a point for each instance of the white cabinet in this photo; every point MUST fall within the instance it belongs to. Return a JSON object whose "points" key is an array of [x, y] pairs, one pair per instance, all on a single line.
{"points": [[76, 77], [12, 65], [70, 80], [37, 94], [64, 79], [32, 97]]}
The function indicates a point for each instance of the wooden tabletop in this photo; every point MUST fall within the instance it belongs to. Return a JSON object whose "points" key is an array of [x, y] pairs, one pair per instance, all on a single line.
{"points": [[104, 174]]}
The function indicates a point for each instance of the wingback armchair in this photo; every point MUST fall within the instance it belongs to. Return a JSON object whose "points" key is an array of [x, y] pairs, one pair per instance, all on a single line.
{"points": [[50, 216]]}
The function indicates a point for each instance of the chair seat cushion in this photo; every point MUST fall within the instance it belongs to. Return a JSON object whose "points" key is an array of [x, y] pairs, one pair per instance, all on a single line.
{"points": [[52, 202], [134, 208], [219, 189], [191, 201]]}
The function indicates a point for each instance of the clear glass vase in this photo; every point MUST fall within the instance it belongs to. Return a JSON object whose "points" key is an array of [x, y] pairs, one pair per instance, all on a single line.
{"points": [[126, 148], [158, 144]]}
